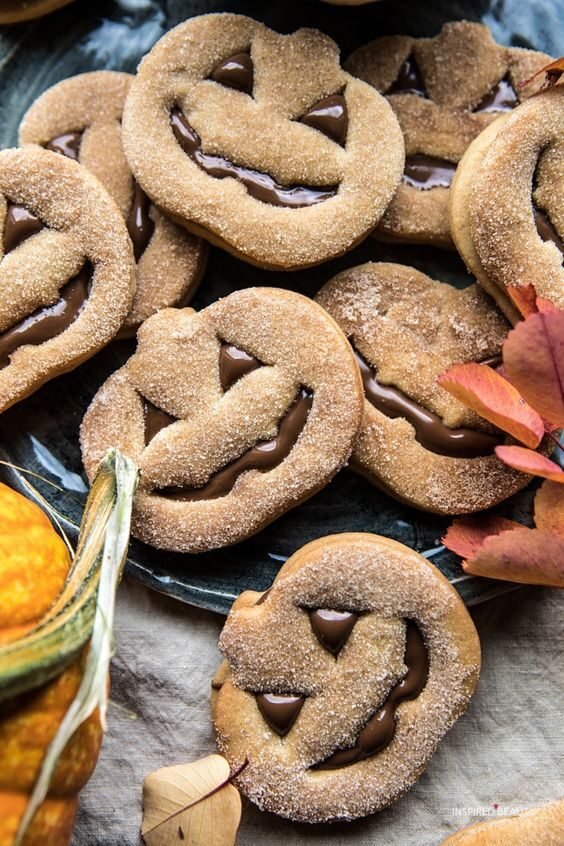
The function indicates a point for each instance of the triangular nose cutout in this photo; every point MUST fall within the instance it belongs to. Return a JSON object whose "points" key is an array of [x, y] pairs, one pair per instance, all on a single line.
{"points": [[235, 72], [408, 80], [332, 628], [280, 710]]}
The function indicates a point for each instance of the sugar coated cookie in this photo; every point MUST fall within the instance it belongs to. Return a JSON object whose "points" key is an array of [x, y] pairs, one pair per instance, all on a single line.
{"points": [[417, 442], [234, 415], [507, 206], [534, 827], [67, 274], [341, 679], [260, 141], [444, 91], [80, 117]]}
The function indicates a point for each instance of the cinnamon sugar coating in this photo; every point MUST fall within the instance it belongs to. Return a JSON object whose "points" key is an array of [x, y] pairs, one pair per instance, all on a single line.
{"points": [[81, 227], [409, 329], [261, 131], [172, 263], [458, 68], [176, 368], [272, 647], [504, 176]]}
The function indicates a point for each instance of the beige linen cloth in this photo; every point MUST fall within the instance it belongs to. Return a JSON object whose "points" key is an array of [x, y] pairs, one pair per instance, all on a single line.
{"points": [[505, 754]]}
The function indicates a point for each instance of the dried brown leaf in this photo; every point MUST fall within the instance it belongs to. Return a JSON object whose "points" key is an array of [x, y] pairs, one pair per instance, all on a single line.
{"points": [[191, 805]]}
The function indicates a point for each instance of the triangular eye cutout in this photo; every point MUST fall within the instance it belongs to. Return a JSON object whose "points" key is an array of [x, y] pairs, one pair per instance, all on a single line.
{"points": [[330, 117], [280, 710], [67, 145], [235, 72], [155, 421], [502, 98], [234, 364], [408, 80], [332, 628], [19, 225]]}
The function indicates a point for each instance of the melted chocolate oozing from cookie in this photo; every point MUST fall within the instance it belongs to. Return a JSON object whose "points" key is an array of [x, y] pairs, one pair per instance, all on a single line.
{"points": [[329, 116], [235, 72], [409, 80], [280, 710], [46, 323], [263, 456], [430, 431], [426, 172], [380, 729], [234, 364], [67, 144], [502, 98], [332, 628], [155, 421], [259, 185], [546, 228], [19, 225], [140, 224]]}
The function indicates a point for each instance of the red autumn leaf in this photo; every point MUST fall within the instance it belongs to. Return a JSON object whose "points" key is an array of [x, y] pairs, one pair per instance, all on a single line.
{"points": [[528, 556], [549, 508], [466, 535], [533, 356], [553, 72], [529, 461], [524, 298], [483, 390]]}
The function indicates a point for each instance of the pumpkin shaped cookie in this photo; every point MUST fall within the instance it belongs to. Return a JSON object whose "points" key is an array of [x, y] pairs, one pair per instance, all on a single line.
{"points": [[417, 442], [507, 206], [80, 117], [66, 269], [341, 680], [260, 142], [444, 91], [233, 415]]}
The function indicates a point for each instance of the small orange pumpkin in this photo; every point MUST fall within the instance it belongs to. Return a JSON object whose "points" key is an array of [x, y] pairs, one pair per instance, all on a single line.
{"points": [[34, 563]]}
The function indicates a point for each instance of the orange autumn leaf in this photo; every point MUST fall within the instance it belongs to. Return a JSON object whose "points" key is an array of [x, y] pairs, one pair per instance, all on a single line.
{"points": [[529, 461], [490, 395], [466, 535], [552, 71], [533, 356], [527, 556], [524, 297], [549, 508]]}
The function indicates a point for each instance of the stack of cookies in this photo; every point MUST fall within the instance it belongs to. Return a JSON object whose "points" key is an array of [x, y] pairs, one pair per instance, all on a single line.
{"points": [[263, 145]]}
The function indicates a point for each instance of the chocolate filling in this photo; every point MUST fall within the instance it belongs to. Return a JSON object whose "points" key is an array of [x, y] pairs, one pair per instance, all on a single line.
{"points": [[425, 172], [140, 224], [19, 225], [235, 72], [332, 628], [155, 420], [261, 186], [409, 80], [234, 364], [263, 456], [546, 228], [67, 144], [380, 729], [46, 323], [430, 431], [502, 98], [280, 710], [330, 117]]}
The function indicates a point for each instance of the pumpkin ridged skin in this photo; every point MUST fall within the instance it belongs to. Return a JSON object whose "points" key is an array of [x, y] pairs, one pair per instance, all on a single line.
{"points": [[34, 563]]}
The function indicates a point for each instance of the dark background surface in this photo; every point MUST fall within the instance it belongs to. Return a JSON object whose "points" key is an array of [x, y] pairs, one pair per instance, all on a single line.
{"points": [[41, 433]]}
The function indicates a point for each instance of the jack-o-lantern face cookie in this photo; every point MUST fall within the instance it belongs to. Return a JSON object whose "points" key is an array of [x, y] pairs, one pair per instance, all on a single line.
{"points": [[66, 269], [417, 442], [260, 141], [234, 415], [80, 117], [507, 206], [444, 92], [341, 680]]}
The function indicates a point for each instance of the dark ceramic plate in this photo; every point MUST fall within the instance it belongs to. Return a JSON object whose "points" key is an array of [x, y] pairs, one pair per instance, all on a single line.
{"points": [[41, 433]]}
